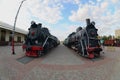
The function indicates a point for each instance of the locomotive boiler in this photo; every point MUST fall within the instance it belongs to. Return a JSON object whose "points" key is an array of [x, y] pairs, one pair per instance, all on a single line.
{"points": [[39, 40], [85, 41]]}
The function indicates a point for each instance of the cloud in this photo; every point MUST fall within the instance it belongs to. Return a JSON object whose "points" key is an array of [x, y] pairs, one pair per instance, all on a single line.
{"points": [[49, 12], [88, 11], [80, 14], [114, 1], [98, 0], [8, 10], [105, 13], [77, 1], [46, 10], [38, 10], [64, 32], [104, 5]]}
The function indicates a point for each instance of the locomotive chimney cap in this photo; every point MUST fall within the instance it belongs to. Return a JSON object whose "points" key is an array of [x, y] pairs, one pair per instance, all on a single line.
{"points": [[32, 22], [88, 21]]}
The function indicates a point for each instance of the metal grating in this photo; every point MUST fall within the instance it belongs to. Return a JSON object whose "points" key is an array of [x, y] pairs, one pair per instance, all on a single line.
{"points": [[25, 59]]}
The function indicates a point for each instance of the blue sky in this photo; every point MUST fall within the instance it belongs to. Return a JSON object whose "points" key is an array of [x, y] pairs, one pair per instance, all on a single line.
{"points": [[62, 17]]}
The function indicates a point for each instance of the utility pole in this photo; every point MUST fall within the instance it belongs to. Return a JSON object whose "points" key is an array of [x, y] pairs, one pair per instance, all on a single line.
{"points": [[13, 32]]}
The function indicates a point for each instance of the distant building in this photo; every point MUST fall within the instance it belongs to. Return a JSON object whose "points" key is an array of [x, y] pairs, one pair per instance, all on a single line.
{"points": [[117, 33], [6, 34]]}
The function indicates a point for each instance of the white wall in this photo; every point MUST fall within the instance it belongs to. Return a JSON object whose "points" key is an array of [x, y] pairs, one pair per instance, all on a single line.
{"points": [[20, 35], [15, 36], [7, 35]]}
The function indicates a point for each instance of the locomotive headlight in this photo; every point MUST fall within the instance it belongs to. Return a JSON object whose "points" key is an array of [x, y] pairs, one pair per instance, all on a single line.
{"points": [[36, 42], [33, 33], [92, 33]]}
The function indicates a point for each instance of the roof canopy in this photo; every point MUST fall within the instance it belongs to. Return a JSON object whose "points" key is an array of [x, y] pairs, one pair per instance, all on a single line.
{"points": [[9, 27]]}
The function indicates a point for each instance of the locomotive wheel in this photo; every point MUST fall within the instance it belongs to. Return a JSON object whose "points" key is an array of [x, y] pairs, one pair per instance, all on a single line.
{"points": [[97, 55], [84, 47], [45, 50], [80, 50], [40, 53]]}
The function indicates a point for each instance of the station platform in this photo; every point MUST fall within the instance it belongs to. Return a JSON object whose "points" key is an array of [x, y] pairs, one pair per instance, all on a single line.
{"points": [[61, 63]]}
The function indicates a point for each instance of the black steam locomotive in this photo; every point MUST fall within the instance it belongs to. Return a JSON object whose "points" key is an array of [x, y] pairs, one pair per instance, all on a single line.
{"points": [[39, 40], [85, 41]]}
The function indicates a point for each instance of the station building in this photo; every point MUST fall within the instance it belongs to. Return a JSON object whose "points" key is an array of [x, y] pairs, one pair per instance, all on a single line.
{"points": [[117, 33], [6, 34]]}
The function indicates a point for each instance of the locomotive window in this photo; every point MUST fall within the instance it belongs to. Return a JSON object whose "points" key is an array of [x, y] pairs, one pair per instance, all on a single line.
{"points": [[10, 38], [18, 39], [3, 34], [11, 32]]}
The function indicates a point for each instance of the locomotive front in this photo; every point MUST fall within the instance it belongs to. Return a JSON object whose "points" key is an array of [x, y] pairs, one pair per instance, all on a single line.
{"points": [[85, 41], [39, 41], [32, 45], [93, 46]]}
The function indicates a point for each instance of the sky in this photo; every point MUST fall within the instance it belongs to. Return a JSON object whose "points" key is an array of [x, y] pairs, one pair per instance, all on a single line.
{"points": [[62, 17]]}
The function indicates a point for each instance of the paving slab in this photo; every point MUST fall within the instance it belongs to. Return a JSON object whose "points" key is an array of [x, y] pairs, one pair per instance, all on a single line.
{"points": [[61, 63], [62, 56], [25, 59]]}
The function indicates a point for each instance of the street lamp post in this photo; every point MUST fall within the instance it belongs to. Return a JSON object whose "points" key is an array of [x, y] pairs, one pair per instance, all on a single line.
{"points": [[13, 32]]}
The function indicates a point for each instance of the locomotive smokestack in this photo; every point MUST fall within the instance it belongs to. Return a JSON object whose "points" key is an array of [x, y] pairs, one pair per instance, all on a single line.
{"points": [[40, 25], [88, 22]]}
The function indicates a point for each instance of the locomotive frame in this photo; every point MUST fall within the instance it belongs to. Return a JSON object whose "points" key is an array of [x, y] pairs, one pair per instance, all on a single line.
{"points": [[85, 41], [39, 41]]}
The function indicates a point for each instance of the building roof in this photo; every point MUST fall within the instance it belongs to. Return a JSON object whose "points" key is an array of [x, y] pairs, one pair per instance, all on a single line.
{"points": [[9, 27]]}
